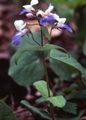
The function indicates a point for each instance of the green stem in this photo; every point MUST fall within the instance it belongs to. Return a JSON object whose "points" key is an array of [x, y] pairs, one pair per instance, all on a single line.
{"points": [[46, 77], [33, 38], [49, 95]]}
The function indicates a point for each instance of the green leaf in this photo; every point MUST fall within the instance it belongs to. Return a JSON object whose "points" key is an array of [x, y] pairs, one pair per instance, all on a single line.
{"points": [[60, 69], [42, 113], [70, 108], [81, 94], [68, 59], [41, 86], [57, 101], [26, 69], [5, 112], [41, 100]]}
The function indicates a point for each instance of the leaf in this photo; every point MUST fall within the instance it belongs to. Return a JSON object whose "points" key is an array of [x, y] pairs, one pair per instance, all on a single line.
{"points": [[5, 112], [68, 59], [57, 101], [44, 114], [26, 69], [81, 94], [60, 69], [41, 86], [70, 108], [40, 48], [41, 100]]}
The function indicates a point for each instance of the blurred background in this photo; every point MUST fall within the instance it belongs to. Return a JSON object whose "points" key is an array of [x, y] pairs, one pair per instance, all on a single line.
{"points": [[73, 10]]}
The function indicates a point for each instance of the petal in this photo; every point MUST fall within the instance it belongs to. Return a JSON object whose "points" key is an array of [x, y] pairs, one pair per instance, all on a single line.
{"points": [[34, 2], [56, 17], [67, 27], [19, 24], [17, 39], [47, 20], [50, 19], [62, 20], [28, 7], [23, 11], [50, 8], [43, 21]]}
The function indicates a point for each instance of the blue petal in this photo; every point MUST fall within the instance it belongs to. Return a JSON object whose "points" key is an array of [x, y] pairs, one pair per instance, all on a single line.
{"points": [[67, 27], [47, 20], [50, 19], [16, 40], [23, 11], [43, 21]]}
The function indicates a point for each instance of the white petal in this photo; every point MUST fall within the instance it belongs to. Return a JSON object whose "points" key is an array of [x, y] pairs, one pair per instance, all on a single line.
{"points": [[62, 20], [56, 17], [28, 7], [34, 2], [50, 8], [24, 31], [19, 24]]}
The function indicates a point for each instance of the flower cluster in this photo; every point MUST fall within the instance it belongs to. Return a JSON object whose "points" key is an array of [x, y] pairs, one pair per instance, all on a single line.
{"points": [[44, 18]]}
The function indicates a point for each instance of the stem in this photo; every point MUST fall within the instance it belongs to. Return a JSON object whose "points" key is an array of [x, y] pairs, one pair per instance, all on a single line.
{"points": [[41, 38], [33, 38], [49, 95], [47, 78]]}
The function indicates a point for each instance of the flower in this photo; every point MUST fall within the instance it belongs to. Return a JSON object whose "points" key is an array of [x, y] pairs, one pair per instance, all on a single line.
{"points": [[60, 21], [47, 20], [30, 7], [47, 12], [19, 24], [17, 38]]}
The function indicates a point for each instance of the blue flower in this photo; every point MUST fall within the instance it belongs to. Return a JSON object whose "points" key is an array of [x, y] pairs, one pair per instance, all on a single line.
{"points": [[16, 40], [47, 20]]}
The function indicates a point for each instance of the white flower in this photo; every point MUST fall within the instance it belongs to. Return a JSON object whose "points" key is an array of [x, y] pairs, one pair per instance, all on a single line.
{"points": [[20, 25], [47, 12], [61, 21], [30, 7]]}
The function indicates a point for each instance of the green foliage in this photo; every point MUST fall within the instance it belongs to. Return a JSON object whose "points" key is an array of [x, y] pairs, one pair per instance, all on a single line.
{"points": [[61, 70], [68, 59], [27, 60], [70, 108], [41, 86], [6, 112], [27, 70], [70, 3], [57, 101], [39, 112]]}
